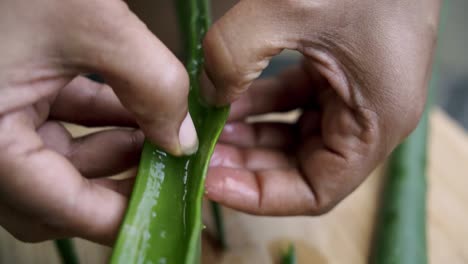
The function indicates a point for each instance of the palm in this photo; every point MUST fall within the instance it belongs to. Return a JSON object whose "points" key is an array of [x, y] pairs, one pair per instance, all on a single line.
{"points": [[279, 168]]}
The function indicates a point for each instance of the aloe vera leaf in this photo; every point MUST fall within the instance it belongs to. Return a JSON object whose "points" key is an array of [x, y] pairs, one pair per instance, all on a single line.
{"points": [[401, 230], [400, 234], [163, 222], [66, 251], [217, 214], [289, 256]]}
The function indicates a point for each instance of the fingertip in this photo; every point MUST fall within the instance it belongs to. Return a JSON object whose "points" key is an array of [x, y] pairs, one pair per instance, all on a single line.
{"points": [[177, 138]]}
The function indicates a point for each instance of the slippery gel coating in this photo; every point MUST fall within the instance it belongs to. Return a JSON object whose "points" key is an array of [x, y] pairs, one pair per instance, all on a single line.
{"points": [[163, 221]]}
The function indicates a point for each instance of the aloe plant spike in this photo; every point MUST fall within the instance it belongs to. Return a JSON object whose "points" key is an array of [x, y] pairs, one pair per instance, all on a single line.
{"points": [[163, 221]]}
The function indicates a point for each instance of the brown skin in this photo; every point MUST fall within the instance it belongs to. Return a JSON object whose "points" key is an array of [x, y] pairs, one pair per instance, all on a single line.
{"points": [[361, 87], [46, 185]]}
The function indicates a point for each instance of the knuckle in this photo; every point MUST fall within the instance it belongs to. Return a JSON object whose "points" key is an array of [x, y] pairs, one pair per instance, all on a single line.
{"points": [[173, 90], [169, 97], [322, 207], [175, 77]]}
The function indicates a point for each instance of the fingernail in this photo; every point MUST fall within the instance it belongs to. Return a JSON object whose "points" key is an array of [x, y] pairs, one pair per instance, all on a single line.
{"points": [[188, 136]]}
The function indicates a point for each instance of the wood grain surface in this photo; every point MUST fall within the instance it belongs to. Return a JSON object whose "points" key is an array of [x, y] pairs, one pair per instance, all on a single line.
{"points": [[341, 236]]}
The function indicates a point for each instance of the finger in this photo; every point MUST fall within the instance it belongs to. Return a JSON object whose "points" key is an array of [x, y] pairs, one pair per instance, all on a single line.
{"points": [[240, 44], [265, 192], [99, 154], [54, 193], [147, 78], [292, 89], [250, 158], [265, 135], [336, 161], [89, 103], [321, 180], [124, 187], [26, 228], [330, 166], [29, 229]]}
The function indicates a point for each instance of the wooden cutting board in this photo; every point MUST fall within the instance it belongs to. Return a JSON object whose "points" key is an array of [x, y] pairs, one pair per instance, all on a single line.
{"points": [[341, 236]]}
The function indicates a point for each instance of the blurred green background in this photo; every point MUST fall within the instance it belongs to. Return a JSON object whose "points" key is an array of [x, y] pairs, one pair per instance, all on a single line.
{"points": [[452, 58]]}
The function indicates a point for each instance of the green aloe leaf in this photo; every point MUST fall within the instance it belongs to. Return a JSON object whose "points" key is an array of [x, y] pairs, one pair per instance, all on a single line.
{"points": [[289, 257], [400, 234], [66, 251], [163, 222]]}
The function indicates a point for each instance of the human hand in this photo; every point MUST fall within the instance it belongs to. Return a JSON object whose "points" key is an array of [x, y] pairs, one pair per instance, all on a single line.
{"points": [[361, 90], [48, 180]]}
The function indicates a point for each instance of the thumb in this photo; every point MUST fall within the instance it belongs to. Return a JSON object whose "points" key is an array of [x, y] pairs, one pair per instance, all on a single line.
{"points": [[147, 78], [241, 43]]}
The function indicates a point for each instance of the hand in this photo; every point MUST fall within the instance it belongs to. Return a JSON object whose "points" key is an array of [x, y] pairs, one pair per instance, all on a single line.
{"points": [[361, 90], [48, 185]]}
